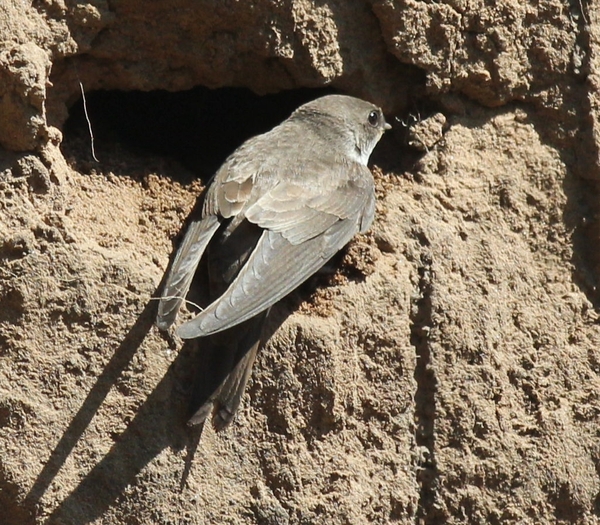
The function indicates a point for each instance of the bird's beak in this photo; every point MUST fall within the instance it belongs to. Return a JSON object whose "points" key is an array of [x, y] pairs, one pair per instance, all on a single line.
{"points": [[387, 126]]}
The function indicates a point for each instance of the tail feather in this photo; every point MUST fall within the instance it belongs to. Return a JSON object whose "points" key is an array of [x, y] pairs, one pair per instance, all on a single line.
{"points": [[230, 356]]}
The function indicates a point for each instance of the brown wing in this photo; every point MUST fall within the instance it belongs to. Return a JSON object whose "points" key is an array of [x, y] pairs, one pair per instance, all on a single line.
{"points": [[227, 194], [305, 227], [300, 213], [182, 271], [274, 269]]}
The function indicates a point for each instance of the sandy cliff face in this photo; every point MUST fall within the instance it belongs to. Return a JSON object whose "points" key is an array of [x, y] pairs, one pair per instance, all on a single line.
{"points": [[447, 373]]}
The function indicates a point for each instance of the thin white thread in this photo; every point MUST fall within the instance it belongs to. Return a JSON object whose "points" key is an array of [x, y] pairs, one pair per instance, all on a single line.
{"points": [[168, 297], [87, 118], [583, 12]]}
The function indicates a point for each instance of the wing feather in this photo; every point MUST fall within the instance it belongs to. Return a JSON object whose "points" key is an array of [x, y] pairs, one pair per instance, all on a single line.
{"points": [[300, 212], [275, 268], [184, 266]]}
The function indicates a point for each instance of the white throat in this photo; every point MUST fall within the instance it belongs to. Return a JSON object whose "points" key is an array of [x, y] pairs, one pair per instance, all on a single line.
{"points": [[361, 156]]}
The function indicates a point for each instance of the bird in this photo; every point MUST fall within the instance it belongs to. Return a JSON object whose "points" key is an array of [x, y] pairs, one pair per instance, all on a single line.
{"points": [[279, 208]]}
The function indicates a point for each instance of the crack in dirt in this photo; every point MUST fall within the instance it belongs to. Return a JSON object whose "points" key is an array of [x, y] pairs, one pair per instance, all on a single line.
{"points": [[424, 398]]}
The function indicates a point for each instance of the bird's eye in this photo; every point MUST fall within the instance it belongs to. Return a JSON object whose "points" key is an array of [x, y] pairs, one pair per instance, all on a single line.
{"points": [[374, 118]]}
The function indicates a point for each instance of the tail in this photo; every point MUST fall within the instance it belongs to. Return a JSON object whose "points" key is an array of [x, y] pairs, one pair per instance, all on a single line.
{"points": [[229, 357]]}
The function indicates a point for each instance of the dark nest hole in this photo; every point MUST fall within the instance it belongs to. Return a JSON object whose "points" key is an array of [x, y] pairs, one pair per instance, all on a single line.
{"points": [[198, 128]]}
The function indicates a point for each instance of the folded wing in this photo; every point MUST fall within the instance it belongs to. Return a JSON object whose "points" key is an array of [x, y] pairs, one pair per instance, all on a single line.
{"points": [[274, 269], [183, 269], [306, 221], [300, 213]]}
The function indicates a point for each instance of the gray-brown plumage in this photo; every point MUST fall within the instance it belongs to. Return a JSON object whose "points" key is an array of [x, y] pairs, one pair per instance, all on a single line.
{"points": [[276, 211]]}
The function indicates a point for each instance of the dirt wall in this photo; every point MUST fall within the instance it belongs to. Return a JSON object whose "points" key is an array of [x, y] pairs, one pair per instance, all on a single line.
{"points": [[446, 370]]}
